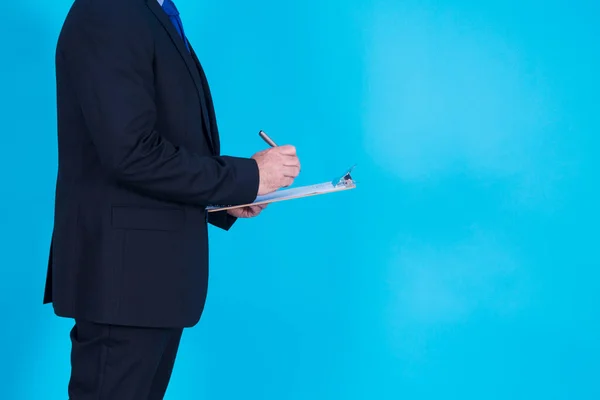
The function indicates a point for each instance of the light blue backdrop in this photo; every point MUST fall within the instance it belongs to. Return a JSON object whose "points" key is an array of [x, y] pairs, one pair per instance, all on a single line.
{"points": [[466, 264]]}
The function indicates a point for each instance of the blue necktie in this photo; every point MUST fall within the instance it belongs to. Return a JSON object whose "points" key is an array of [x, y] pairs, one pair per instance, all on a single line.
{"points": [[170, 9]]}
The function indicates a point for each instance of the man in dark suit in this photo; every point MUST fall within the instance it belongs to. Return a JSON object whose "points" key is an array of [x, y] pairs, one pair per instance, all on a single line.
{"points": [[139, 162]]}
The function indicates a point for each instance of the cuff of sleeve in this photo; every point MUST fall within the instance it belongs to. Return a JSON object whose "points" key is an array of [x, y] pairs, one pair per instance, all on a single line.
{"points": [[247, 180]]}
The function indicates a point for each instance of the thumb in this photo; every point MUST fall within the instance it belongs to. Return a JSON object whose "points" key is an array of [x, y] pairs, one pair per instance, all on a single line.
{"points": [[287, 149]]}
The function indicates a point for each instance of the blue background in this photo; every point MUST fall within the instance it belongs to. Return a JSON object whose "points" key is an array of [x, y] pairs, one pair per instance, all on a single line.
{"points": [[464, 266]]}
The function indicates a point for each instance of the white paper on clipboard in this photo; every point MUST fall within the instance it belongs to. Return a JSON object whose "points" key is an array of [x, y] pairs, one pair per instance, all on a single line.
{"points": [[345, 182]]}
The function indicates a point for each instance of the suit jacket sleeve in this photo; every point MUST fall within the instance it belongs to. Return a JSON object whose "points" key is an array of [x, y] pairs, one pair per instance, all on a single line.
{"points": [[221, 219], [108, 53]]}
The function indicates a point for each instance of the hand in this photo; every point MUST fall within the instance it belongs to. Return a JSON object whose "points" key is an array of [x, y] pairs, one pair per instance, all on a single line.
{"points": [[278, 167], [247, 212]]}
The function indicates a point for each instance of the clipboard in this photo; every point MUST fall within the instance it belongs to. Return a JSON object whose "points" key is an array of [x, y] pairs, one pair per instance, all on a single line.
{"points": [[339, 184]]}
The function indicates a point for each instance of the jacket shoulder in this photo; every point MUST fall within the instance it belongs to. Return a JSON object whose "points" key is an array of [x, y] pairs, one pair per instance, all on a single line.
{"points": [[116, 18]]}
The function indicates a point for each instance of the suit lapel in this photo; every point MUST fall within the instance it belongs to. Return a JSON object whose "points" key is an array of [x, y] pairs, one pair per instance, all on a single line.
{"points": [[163, 18]]}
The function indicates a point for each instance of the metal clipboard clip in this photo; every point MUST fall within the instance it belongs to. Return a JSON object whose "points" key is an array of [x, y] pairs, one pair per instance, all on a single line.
{"points": [[344, 180]]}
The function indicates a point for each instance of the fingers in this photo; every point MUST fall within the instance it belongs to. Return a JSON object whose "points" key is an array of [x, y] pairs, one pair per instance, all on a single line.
{"points": [[287, 181], [255, 210], [288, 150], [278, 167], [291, 161], [291, 172]]}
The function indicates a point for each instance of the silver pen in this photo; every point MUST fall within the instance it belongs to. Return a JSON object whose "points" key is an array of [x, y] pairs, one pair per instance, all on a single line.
{"points": [[267, 139]]}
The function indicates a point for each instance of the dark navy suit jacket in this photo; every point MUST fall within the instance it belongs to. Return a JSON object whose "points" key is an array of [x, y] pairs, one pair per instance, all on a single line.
{"points": [[138, 163]]}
